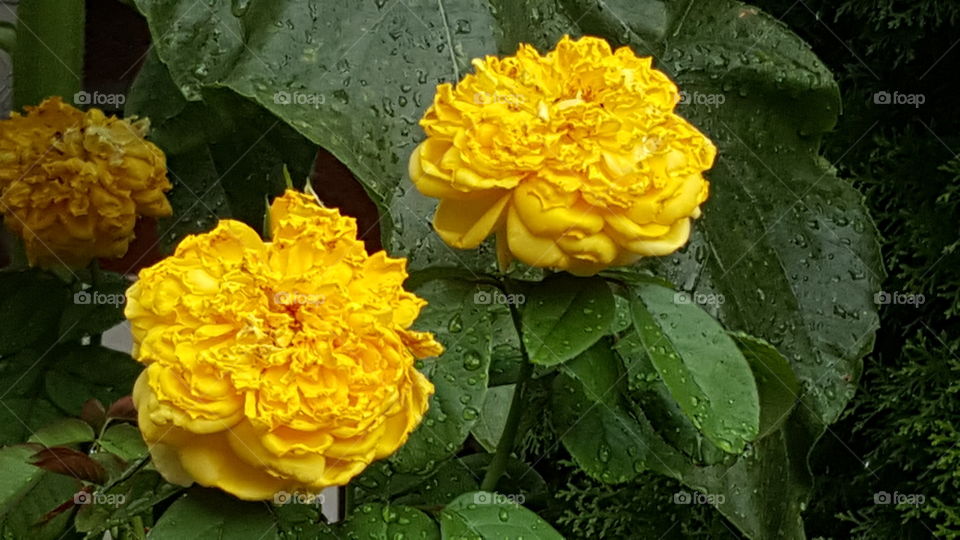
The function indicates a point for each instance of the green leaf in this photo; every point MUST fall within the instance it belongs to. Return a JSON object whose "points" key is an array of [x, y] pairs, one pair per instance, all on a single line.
{"points": [[449, 480], [48, 56], [369, 127], [459, 375], [208, 513], [647, 393], [225, 154], [622, 318], [63, 432], [607, 440], [480, 515], [18, 475], [388, 521], [493, 416], [28, 493], [83, 372], [198, 198], [776, 383], [38, 388], [125, 441], [701, 366], [564, 315], [24, 407], [789, 245], [96, 309], [30, 306], [135, 496], [763, 491]]}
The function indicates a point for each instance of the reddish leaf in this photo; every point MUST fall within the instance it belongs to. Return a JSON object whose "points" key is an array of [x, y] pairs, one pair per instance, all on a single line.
{"points": [[70, 462], [123, 409], [93, 413]]}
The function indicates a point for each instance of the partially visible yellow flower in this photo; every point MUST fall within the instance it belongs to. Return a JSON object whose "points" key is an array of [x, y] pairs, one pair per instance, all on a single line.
{"points": [[72, 183], [277, 366], [575, 159]]}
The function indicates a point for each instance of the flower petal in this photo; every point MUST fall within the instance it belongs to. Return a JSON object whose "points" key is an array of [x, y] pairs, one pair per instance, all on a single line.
{"points": [[465, 224]]}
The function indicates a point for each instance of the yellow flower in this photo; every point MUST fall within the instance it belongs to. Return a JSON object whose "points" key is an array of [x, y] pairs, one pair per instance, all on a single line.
{"points": [[72, 183], [276, 366], [575, 159]]}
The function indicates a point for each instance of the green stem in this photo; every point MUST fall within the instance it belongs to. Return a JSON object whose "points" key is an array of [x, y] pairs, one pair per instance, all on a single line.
{"points": [[509, 436], [138, 528], [8, 36]]}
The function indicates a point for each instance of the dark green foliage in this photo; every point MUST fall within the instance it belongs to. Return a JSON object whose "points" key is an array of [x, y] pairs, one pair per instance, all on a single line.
{"points": [[902, 432], [644, 508]]}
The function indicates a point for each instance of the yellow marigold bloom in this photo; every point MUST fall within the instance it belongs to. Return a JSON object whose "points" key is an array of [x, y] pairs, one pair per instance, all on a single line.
{"points": [[72, 183], [276, 366], [575, 159]]}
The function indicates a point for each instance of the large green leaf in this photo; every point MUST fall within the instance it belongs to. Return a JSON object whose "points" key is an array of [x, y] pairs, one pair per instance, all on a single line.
{"points": [[49, 51], [225, 154], [80, 373], [493, 416], [606, 439], [124, 441], [63, 432], [30, 306], [95, 309], [480, 515], [459, 375], [133, 496], [701, 366], [387, 521], [776, 383], [563, 316], [28, 493], [207, 513], [647, 392], [18, 475]]}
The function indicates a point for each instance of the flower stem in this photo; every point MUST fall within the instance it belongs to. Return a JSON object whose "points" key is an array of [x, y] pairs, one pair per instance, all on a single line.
{"points": [[509, 436]]}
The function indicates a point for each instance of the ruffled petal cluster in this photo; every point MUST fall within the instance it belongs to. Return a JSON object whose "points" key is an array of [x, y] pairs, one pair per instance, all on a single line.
{"points": [[72, 183], [575, 158], [277, 366]]}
